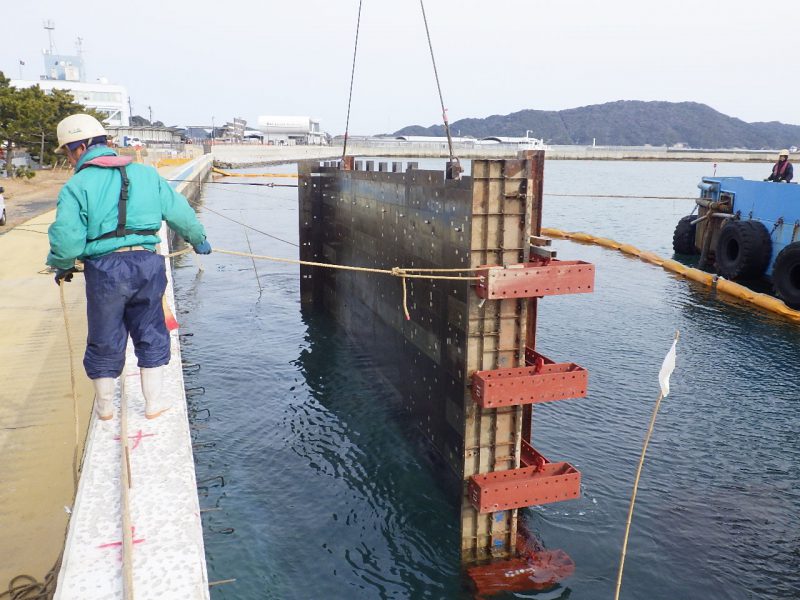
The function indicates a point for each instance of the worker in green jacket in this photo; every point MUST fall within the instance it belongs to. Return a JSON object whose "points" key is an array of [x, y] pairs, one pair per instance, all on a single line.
{"points": [[109, 214]]}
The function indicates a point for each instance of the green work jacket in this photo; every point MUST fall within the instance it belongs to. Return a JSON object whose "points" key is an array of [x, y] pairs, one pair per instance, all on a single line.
{"points": [[88, 208]]}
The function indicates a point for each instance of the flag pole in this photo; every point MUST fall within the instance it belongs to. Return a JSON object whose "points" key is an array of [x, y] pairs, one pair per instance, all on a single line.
{"points": [[666, 371]]}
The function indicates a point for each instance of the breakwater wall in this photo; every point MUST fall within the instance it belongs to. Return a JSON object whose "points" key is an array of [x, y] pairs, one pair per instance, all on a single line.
{"points": [[251, 155]]}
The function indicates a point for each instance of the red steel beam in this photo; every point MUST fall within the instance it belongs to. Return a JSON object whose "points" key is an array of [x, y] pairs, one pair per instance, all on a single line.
{"points": [[536, 279], [527, 486], [529, 385]]}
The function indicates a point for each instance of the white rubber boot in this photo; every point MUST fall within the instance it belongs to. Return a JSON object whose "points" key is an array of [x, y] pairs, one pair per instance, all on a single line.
{"points": [[154, 403], [104, 389]]}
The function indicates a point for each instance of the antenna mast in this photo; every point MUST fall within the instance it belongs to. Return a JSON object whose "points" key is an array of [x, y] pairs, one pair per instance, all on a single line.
{"points": [[50, 27]]}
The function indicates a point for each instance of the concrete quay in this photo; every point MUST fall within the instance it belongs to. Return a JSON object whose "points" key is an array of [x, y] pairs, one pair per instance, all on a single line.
{"points": [[38, 434]]}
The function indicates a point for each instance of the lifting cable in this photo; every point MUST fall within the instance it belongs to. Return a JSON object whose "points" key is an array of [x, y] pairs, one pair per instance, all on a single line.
{"points": [[352, 76], [455, 165], [454, 162]]}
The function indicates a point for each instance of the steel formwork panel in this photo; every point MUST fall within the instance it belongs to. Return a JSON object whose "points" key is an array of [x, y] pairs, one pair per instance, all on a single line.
{"points": [[417, 218]]}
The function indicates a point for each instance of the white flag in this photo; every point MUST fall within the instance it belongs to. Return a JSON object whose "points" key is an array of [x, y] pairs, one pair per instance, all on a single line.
{"points": [[667, 367]]}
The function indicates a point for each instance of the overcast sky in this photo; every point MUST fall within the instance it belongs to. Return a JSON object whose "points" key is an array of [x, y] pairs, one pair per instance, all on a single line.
{"points": [[191, 60]]}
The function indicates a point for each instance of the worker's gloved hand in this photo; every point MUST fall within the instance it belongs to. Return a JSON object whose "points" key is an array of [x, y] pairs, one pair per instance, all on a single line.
{"points": [[203, 247], [65, 274]]}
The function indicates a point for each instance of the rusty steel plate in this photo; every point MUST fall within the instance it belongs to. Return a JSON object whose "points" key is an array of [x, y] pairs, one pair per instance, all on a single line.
{"points": [[528, 486], [529, 385], [535, 280]]}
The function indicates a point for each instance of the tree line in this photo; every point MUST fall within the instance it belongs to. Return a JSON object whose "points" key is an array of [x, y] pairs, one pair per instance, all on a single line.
{"points": [[28, 119]]}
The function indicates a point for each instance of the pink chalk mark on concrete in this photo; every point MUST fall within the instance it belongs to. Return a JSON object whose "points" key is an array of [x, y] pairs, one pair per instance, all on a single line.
{"points": [[119, 544], [137, 438]]}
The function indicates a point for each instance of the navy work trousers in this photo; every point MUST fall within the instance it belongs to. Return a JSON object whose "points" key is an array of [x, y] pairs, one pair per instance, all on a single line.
{"points": [[123, 295]]}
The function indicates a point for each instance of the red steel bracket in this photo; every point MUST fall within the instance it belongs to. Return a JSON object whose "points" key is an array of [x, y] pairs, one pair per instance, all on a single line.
{"points": [[544, 382], [535, 279], [528, 486], [531, 457]]}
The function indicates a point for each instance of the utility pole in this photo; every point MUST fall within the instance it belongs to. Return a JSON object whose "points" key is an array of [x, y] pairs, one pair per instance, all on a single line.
{"points": [[150, 109], [212, 130]]}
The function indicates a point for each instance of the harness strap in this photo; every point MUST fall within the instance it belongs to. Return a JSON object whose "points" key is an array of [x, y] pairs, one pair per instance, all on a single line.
{"points": [[122, 211], [122, 215]]}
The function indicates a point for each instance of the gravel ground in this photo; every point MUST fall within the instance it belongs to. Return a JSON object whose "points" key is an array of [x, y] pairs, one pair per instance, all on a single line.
{"points": [[30, 198]]}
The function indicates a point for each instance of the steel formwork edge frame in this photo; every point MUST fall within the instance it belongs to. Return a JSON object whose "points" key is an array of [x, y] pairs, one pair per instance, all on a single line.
{"points": [[492, 529]]}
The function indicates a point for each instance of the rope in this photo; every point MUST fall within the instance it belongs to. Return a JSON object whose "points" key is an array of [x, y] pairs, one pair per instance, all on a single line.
{"points": [[621, 196], [274, 237], [230, 174], [72, 386], [438, 86], [402, 272], [395, 272], [25, 587], [352, 77], [636, 487], [256, 183]]}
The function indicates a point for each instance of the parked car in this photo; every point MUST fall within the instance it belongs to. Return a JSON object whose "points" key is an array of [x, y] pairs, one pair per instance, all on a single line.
{"points": [[135, 142]]}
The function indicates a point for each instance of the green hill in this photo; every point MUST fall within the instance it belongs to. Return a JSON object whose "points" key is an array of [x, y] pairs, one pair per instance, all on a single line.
{"points": [[628, 123]]}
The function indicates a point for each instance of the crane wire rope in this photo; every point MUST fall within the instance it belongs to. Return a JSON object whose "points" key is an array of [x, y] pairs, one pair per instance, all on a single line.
{"points": [[352, 77], [453, 159]]}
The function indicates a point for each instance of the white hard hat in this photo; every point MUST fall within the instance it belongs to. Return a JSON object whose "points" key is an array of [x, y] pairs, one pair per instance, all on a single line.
{"points": [[76, 128]]}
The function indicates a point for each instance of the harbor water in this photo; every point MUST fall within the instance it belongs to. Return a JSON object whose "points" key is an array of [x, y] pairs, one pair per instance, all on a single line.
{"points": [[321, 488]]}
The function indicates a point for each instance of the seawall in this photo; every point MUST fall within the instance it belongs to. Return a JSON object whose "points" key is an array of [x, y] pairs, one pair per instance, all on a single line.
{"points": [[251, 155]]}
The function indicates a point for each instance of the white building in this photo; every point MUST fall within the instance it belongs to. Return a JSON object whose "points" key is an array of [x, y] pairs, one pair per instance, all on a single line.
{"points": [[290, 130], [105, 98]]}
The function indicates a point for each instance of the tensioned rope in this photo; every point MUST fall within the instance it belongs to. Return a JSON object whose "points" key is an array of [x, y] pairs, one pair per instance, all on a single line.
{"points": [[620, 196], [402, 272], [352, 77]]}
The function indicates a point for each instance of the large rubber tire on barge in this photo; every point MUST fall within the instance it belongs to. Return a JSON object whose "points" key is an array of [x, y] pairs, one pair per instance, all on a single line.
{"points": [[743, 250], [683, 238], [786, 275]]}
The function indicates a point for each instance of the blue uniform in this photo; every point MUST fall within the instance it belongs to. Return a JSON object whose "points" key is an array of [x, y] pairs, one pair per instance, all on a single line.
{"points": [[124, 289]]}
